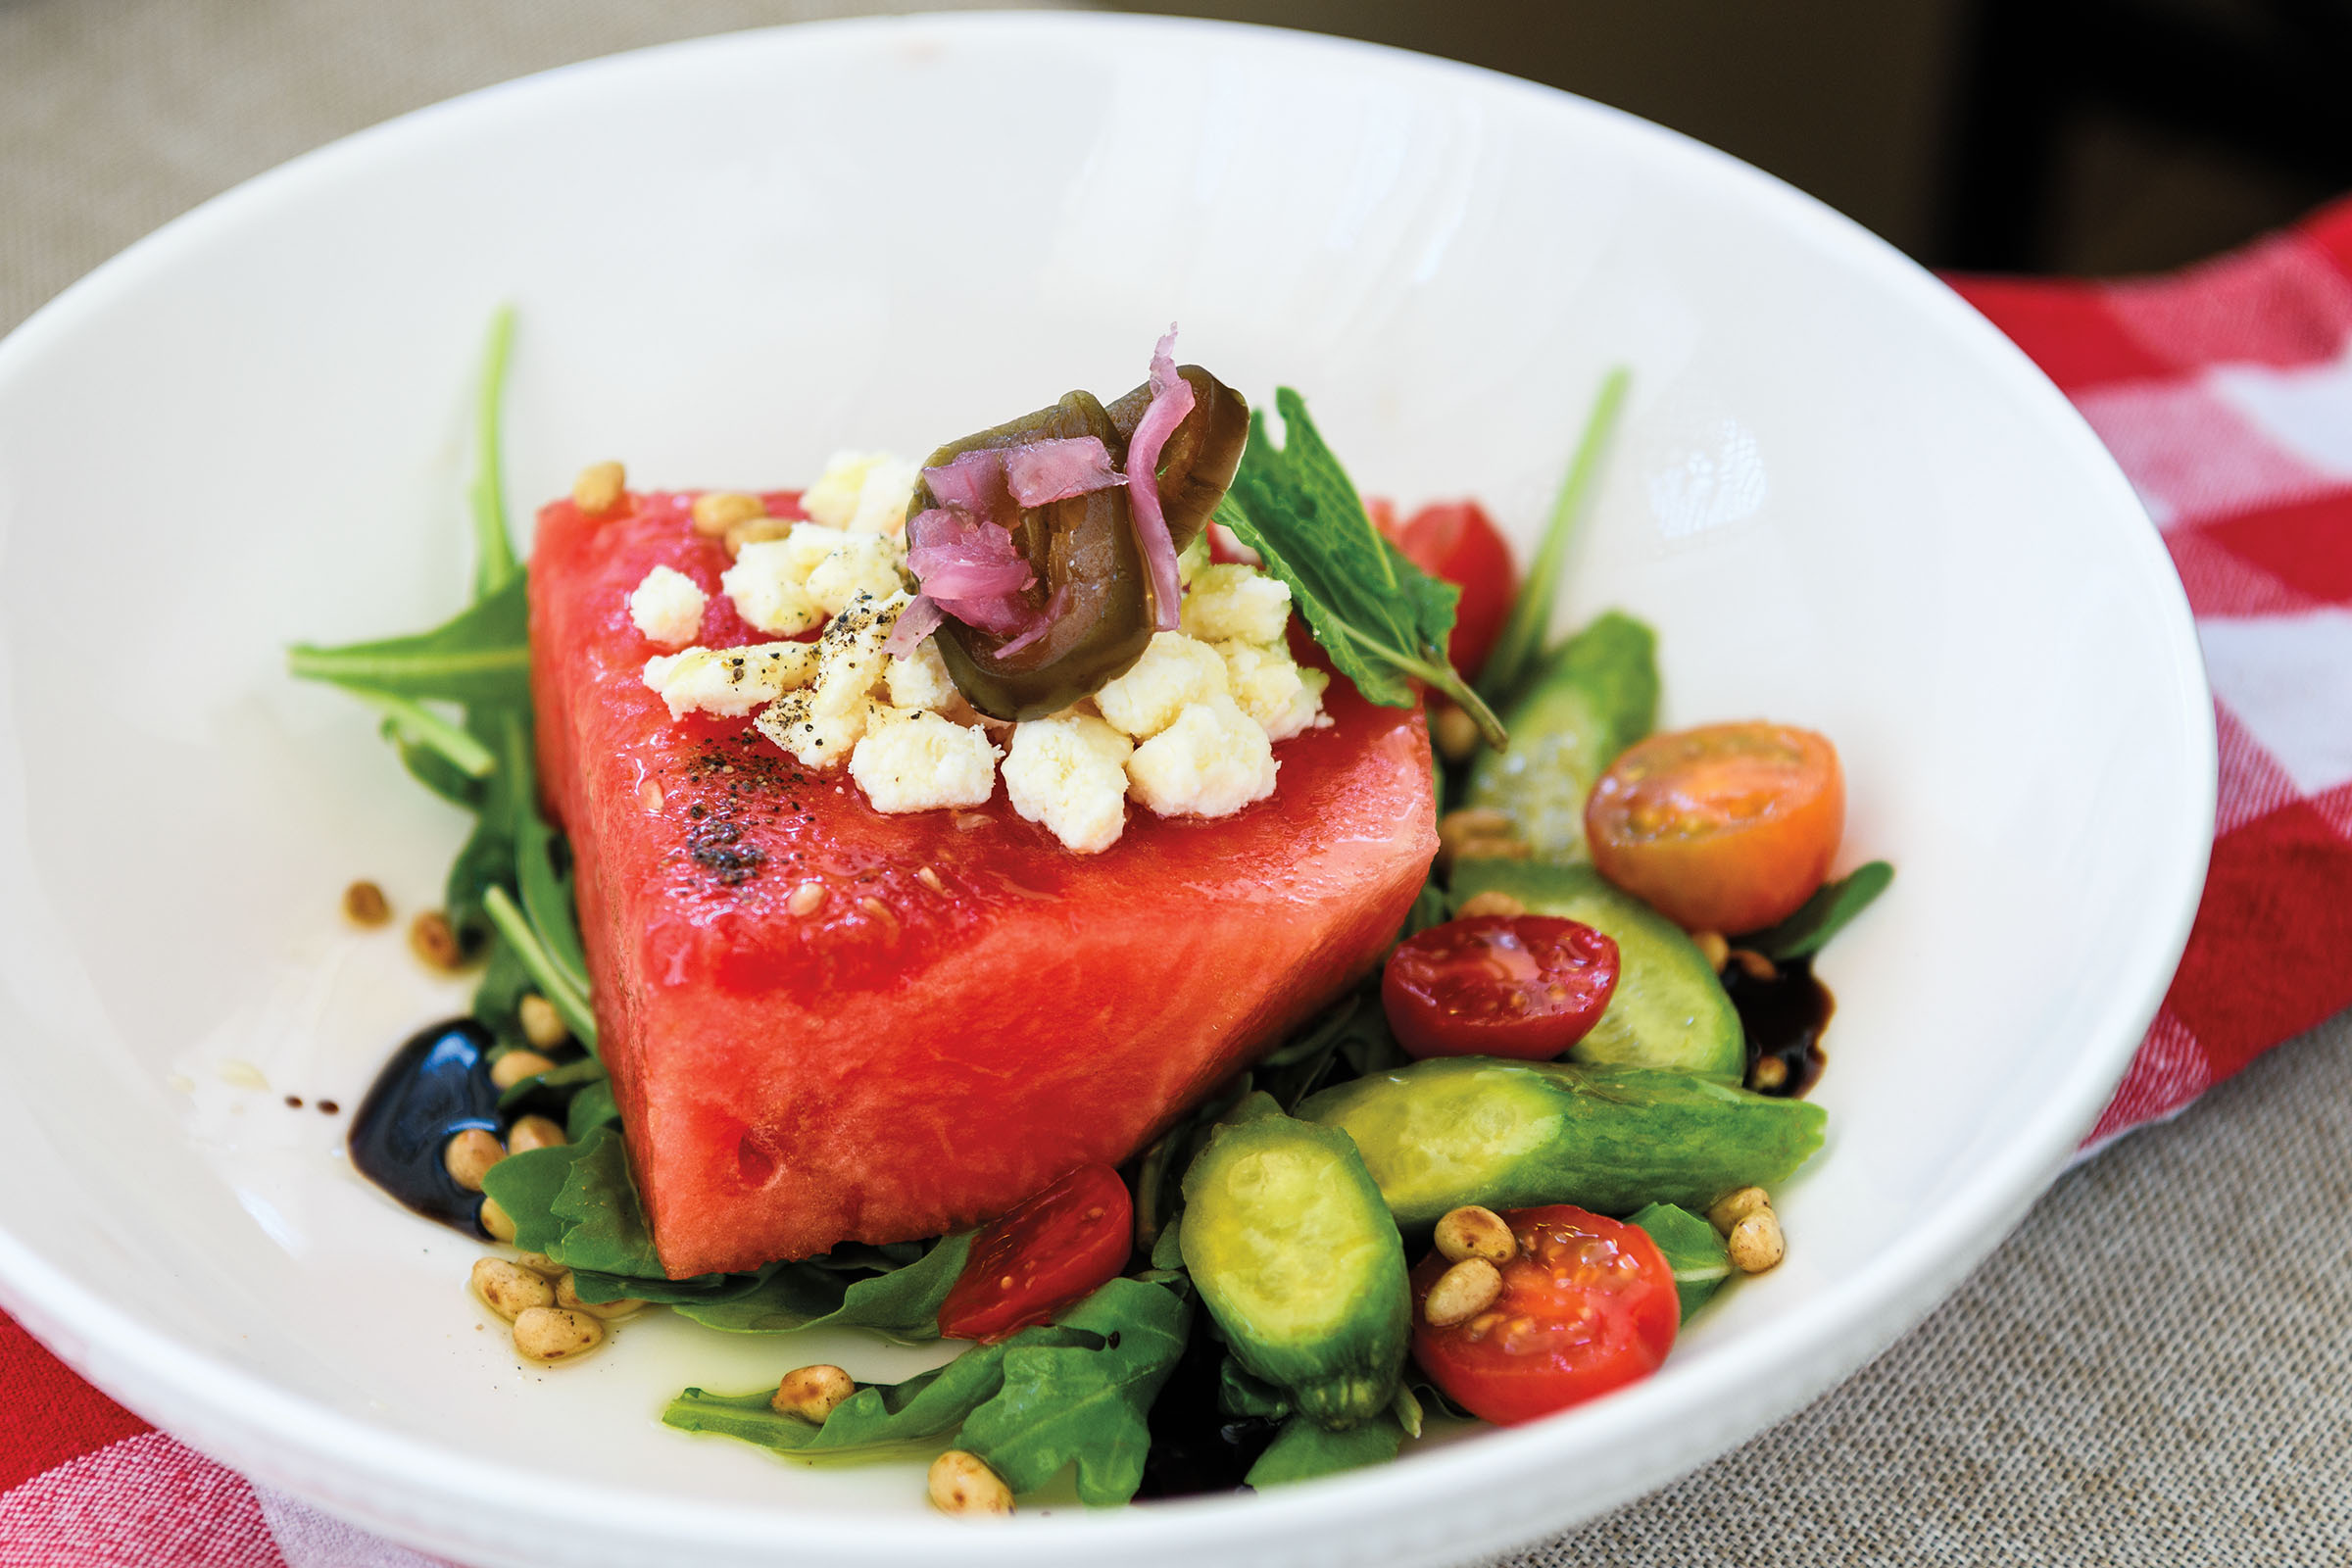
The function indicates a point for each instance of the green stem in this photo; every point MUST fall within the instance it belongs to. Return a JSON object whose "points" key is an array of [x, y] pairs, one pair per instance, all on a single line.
{"points": [[495, 564], [506, 915], [1530, 624], [424, 727], [358, 669], [1434, 672]]}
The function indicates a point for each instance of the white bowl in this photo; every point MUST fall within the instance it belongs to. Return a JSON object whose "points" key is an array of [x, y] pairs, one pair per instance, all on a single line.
{"points": [[1842, 499]]}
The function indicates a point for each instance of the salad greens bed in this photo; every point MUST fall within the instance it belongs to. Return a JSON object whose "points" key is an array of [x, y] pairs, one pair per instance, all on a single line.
{"points": [[1078, 1392]]}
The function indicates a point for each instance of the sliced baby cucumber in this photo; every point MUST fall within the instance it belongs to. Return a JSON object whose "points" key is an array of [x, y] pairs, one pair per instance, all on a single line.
{"points": [[1458, 1130], [1296, 1258], [1590, 700], [1669, 1011]]}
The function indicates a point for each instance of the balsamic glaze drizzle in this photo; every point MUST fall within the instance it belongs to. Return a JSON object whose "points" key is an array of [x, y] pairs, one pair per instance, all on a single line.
{"points": [[1195, 1446], [1784, 1018], [433, 1088]]}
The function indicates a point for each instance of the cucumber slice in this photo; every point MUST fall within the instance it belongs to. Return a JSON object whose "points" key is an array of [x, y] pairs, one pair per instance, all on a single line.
{"points": [[1458, 1130], [1296, 1258], [1594, 697], [1669, 1011]]}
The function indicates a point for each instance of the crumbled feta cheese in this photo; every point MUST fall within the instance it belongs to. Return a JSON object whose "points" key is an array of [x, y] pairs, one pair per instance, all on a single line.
{"points": [[820, 722], [1235, 604], [912, 759], [729, 681], [1175, 671], [1212, 761], [1194, 559], [920, 679], [1069, 772], [1283, 696], [804, 547], [863, 492], [860, 564], [667, 608], [768, 592]]}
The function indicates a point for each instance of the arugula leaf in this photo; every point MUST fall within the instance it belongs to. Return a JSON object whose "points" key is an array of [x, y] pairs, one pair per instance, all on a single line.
{"points": [[480, 654], [577, 1203], [1697, 1255], [1243, 1393], [494, 562], [1830, 910], [1065, 1403], [554, 983], [571, 1074], [592, 1107], [546, 891], [1302, 1450], [1382, 620], [1077, 1391], [444, 757], [1349, 1041], [1520, 643], [903, 1304]]}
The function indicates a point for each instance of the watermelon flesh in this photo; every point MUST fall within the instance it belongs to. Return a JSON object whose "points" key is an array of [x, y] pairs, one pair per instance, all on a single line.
{"points": [[971, 1011]]}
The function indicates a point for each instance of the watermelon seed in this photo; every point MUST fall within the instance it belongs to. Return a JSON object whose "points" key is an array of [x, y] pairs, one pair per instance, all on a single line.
{"points": [[806, 898]]}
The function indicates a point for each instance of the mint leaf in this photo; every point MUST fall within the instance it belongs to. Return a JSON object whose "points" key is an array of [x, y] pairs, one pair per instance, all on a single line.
{"points": [[1382, 620], [1830, 910], [480, 654], [1061, 1404], [1302, 1450]]}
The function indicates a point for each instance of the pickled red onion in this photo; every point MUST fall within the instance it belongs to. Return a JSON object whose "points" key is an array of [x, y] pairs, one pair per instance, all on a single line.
{"points": [[1171, 401]]}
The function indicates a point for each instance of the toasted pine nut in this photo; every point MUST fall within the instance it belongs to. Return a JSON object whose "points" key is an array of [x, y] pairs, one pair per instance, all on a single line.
{"points": [[469, 1154], [1753, 965], [431, 937], [1769, 1073], [534, 1132], [1756, 1242], [1489, 847], [365, 903], [1490, 902], [717, 511], [516, 1065], [542, 1025], [1474, 1232], [1455, 732], [568, 1298], [598, 488], [1473, 822], [1735, 1205], [812, 1393], [553, 1334], [755, 530], [541, 1263], [507, 1288], [806, 898], [1462, 1292], [496, 1220], [1711, 943], [962, 1484]]}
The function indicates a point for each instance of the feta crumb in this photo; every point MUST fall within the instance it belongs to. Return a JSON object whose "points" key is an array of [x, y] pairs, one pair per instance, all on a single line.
{"points": [[820, 722], [1069, 772], [729, 681], [862, 492], [860, 564], [813, 740], [1212, 761], [1235, 604], [1282, 695], [912, 759], [920, 679], [1174, 672], [667, 608], [768, 592]]}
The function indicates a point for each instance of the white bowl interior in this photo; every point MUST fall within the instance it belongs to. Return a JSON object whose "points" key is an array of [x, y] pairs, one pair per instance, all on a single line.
{"points": [[1843, 501]]}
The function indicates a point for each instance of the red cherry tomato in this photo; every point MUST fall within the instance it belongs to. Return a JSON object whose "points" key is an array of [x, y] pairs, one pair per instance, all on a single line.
{"points": [[1527, 986], [1588, 1306], [1049, 1250], [1455, 540], [1728, 827]]}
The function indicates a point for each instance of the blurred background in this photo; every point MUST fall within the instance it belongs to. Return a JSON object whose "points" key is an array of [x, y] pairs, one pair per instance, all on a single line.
{"points": [[2073, 136]]}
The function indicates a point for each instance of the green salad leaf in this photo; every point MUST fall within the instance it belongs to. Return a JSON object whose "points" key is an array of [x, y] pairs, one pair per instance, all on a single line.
{"points": [[577, 1203], [592, 1107], [1830, 910], [1383, 620], [480, 654], [494, 561], [1303, 1450], [1076, 1392], [899, 1302], [1701, 1261]]}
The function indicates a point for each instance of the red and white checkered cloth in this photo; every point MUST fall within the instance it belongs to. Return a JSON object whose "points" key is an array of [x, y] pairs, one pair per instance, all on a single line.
{"points": [[2226, 393]]}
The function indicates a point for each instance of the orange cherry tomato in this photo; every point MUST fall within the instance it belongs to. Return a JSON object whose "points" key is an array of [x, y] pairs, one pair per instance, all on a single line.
{"points": [[1588, 1306], [1726, 827], [1044, 1254]]}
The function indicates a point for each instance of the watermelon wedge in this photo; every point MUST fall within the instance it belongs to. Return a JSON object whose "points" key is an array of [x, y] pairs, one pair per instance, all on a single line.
{"points": [[969, 1010]]}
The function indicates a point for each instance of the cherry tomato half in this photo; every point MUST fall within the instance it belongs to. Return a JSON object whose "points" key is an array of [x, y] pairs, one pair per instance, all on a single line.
{"points": [[1588, 1306], [1728, 827], [1456, 541], [1527, 986], [1047, 1252]]}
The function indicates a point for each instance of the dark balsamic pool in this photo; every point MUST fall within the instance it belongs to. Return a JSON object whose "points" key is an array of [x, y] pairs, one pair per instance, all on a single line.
{"points": [[1784, 1018], [433, 1088], [1195, 1446]]}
